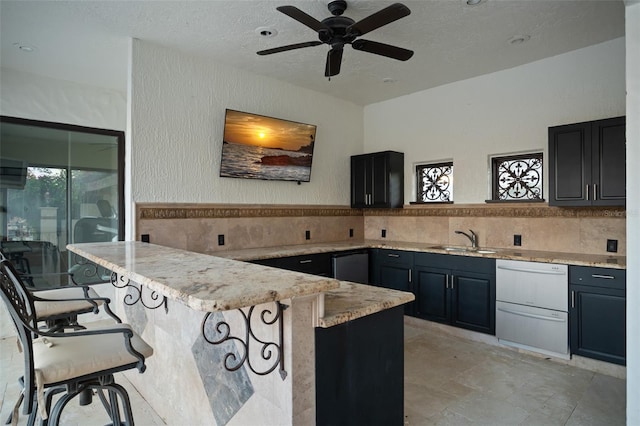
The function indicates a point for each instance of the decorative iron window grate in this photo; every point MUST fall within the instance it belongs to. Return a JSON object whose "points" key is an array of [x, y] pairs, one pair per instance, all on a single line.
{"points": [[434, 183], [517, 177]]}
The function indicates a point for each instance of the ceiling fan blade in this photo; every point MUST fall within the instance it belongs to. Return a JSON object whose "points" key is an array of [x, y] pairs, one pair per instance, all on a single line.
{"points": [[289, 47], [334, 60], [378, 19], [387, 50], [302, 17]]}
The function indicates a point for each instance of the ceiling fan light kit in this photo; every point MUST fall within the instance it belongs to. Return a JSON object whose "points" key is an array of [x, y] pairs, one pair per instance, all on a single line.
{"points": [[338, 30]]}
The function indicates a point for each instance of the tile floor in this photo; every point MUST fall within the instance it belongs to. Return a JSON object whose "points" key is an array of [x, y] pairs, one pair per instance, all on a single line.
{"points": [[450, 379]]}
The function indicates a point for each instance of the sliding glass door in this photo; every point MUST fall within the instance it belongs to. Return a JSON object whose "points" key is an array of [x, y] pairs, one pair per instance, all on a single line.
{"points": [[59, 184]]}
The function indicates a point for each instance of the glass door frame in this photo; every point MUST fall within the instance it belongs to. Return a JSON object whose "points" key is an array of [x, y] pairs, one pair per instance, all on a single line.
{"points": [[119, 135]]}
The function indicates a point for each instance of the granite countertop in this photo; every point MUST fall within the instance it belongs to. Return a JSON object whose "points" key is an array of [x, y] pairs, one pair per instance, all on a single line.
{"points": [[202, 282], [351, 301], [579, 259]]}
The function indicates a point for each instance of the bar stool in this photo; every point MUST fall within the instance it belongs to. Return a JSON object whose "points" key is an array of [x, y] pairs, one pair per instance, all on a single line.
{"points": [[69, 363]]}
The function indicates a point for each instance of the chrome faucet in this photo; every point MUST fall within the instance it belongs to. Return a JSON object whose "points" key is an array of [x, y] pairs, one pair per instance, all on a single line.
{"points": [[473, 238]]}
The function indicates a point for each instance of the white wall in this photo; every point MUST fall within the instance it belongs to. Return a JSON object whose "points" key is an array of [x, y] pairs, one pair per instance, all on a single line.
{"points": [[503, 112], [36, 97], [632, 30], [178, 104]]}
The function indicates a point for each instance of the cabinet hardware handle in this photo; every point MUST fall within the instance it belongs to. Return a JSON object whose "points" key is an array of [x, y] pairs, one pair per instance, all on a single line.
{"points": [[453, 278], [409, 275], [586, 189], [532, 271], [595, 191], [393, 255], [573, 299], [604, 277], [306, 261], [446, 281]]}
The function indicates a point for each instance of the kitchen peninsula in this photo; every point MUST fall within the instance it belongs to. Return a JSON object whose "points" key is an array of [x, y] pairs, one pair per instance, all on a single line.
{"points": [[235, 342]]}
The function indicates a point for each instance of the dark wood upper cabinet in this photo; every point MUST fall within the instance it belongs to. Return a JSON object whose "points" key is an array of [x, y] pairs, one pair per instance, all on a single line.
{"points": [[377, 180], [587, 163]]}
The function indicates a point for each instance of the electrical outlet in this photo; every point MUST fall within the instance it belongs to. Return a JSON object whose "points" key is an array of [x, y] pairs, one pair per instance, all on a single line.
{"points": [[350, 232], [144, 238], [384, 233], [612, 246], [517, 240], [307, 235], [221, 239]]}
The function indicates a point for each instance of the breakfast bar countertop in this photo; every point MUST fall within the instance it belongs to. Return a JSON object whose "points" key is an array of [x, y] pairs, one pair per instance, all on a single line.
{"points": [[202, 282]]}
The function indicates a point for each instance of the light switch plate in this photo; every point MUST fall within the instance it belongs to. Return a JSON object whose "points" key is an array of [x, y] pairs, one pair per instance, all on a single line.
{"points": [[612, 246]]}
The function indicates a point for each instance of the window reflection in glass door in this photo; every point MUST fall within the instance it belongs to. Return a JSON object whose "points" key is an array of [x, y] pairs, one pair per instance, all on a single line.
{"points": [[59, 184]]}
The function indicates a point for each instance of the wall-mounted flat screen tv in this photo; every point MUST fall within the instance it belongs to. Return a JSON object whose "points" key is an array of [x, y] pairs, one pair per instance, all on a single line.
{"points": [[259, 147]]}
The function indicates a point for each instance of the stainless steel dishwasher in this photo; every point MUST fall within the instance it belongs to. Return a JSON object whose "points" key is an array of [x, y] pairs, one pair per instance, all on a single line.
{"points": [[532, 306]]}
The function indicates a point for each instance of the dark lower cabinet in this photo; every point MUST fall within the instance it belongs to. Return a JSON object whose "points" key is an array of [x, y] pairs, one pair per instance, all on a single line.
{"points": [[473, 301], [393, 269], [597, 313], [360, 371], [433, 300], [456, 290]]}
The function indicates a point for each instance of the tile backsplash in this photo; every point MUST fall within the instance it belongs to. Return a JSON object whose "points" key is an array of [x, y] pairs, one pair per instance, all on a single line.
{"points": [[197, 227]]}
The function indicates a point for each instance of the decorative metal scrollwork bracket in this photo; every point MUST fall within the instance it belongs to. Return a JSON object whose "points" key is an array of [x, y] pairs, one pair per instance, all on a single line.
{"points": [[88, 270], [267, 350], [131, 298]]}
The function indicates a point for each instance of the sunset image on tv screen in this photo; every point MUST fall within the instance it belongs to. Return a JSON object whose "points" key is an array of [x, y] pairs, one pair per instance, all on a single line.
{"points": [[260, 147]]}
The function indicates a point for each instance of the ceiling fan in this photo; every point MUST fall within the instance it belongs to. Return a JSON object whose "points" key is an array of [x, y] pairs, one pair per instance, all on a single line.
{"points": [[338, 30]]}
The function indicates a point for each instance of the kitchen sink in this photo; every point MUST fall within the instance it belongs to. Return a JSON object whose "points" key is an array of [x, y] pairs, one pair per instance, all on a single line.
{"points": [[466, 249]]}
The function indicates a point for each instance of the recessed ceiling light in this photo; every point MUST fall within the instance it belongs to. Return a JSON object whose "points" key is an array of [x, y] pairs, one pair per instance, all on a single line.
{"points": [[519, 39], [266, 31], [24, 47]]}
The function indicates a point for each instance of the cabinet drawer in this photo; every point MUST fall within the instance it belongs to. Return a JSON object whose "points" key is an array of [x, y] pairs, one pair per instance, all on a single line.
{"points": [[598, 277], [316, 264], [455, 262], [395, 256]]}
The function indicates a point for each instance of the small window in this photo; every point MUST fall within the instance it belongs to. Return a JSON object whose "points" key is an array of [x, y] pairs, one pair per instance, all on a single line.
{"points": [[517, 177], [434, 183]]}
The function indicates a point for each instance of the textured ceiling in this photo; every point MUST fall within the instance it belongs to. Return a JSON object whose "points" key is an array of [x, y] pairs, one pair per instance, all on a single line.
{"points": [[86, 41]]}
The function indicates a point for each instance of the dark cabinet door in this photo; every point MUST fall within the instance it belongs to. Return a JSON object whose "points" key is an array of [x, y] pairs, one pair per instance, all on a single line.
{"points": [[397, 277], [587, 163], [380, 180], [393, 269], [361, 170], [598, 323], [570, 164], [377, 180], [432, 294], [473, 301], [608, 173]]}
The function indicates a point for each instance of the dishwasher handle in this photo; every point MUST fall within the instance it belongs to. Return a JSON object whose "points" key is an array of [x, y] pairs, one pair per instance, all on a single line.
{"points": [[530, 315], [531, 271]]}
